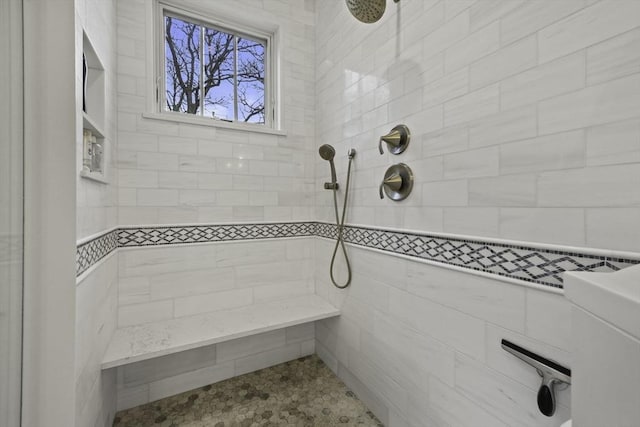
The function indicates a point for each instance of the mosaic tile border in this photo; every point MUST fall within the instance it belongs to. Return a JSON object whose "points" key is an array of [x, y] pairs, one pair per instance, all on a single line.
{"points": [[92, 251], [151, 236], [526, 263], [89, 253], [530, 264]]}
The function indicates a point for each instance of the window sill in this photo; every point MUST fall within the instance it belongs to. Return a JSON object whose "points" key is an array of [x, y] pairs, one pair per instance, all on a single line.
{"points": [[213, 123]]}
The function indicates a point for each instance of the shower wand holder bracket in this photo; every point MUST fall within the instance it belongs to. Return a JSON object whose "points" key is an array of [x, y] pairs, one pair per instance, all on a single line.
{"points": [[331, 186]]}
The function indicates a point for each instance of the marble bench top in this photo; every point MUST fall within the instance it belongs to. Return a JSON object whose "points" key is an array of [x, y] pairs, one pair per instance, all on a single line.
{"points": [[142, 342]]}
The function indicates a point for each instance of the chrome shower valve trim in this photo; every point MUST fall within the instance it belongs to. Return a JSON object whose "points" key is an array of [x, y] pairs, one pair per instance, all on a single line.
{"points": [[397, 182]]}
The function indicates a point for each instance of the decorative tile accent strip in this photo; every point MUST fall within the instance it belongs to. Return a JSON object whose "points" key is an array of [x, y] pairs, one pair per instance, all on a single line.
{"points": [[151, 236], [541, 266], [89, 253], [530, 264]]}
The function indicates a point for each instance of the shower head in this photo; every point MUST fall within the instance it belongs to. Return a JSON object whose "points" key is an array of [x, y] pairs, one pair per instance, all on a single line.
{"points": [[367, 11], [327, 152]]}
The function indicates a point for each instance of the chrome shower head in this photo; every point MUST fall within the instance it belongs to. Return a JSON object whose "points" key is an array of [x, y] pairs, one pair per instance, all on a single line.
{"points": [[327, 152], [367, 11]]}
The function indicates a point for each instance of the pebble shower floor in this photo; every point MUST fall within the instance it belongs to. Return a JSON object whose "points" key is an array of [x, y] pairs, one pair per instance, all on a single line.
{"points": [[302, 392]]}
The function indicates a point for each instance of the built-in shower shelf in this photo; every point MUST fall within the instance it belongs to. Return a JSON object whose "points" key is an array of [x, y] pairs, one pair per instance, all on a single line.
{"points": [[142, 342]]}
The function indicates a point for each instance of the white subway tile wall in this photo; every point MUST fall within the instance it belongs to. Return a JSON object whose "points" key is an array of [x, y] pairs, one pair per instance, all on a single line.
{"points": [[96, 320], [174, 172], [97, 203], [96, 211], [534, 99], [167, 282], [164, 172], [525, 120], [533, 135], [409, 329]]}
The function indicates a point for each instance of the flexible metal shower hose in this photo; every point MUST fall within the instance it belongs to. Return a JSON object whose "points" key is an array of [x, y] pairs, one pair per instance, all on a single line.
{"points": [[340, 225]]}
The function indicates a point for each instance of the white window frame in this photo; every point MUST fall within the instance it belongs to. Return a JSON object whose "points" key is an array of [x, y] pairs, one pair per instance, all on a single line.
{"points": [[222, 22]]}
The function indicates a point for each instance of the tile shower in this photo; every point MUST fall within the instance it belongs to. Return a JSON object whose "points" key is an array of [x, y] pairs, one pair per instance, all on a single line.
{"points": [[525, 121]]}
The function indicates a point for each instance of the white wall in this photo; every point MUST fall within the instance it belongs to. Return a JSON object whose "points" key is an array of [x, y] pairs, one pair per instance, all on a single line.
{"points": [[96, 311], [184, 173], [526, 125], [525, 116], [170, 282], [96, 202], [180, 173], [96, 212], [525, 120], [167, 282], [420, 344]]}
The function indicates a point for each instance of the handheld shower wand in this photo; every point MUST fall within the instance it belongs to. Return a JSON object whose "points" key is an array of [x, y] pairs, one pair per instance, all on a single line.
{"points": [[327, 152]]}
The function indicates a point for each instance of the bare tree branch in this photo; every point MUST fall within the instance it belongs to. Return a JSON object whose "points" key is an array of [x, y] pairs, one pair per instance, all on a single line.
{"points": [[183, 70]]}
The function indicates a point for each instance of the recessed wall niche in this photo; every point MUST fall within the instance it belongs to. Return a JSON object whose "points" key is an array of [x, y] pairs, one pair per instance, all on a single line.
{"points": [[93, 115]]}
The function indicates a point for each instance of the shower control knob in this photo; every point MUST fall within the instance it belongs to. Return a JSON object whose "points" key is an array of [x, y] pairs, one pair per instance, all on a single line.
{"points": [[397, 140], [397, 182], [393, 182]]}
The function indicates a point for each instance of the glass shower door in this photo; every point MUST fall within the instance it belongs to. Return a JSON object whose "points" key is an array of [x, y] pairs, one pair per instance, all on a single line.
{"points": [[11, 205]]}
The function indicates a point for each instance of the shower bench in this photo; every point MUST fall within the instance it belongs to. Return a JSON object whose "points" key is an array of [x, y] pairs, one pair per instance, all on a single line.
{"points": [[142, 342]]}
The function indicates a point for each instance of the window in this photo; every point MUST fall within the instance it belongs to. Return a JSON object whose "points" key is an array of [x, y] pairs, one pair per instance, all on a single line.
{"points": [[214, 72]]}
